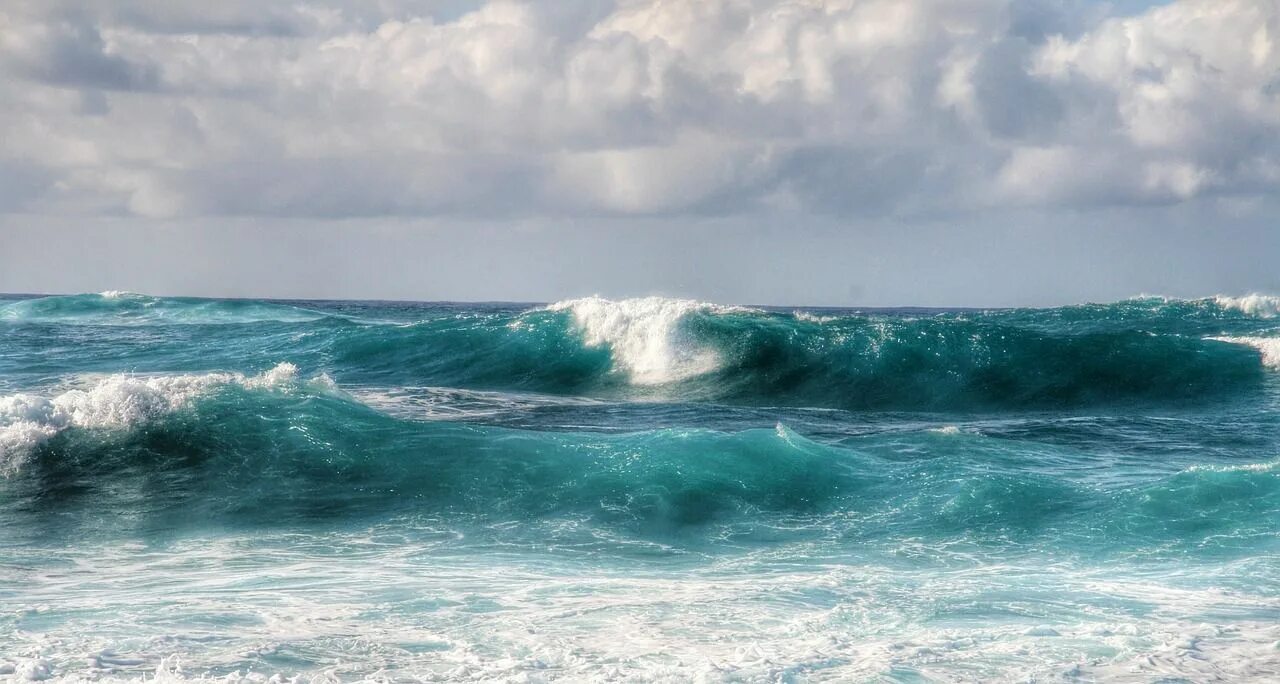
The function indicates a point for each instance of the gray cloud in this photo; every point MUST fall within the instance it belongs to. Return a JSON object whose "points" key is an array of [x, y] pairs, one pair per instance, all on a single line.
{"points": [[854, 108], [69, 54]]}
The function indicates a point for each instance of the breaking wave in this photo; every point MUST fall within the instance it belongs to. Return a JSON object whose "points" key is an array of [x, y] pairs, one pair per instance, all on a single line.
{"points": [[683, 350], [117, 402], [1268, 347], [1144, 350], [270, 450]]}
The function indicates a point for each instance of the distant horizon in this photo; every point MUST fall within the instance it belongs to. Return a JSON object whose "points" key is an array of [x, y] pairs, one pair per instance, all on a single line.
{"points": [[756, 305]]}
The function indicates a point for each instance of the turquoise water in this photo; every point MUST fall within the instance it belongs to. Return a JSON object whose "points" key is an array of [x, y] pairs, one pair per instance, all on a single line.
{"points": [[638, 490]]}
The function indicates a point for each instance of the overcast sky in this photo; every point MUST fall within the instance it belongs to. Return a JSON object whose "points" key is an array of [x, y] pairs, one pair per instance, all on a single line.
{"points": [[860, 152]]}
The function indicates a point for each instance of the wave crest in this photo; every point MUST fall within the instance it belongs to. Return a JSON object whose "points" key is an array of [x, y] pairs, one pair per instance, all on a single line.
{"points": [[645, 335], [266, 458], [115, 402], [1260, 305], [1268, 347]]}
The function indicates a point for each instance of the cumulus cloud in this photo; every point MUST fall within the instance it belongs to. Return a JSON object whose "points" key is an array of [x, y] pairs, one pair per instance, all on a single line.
{"points": [[652, 107]]}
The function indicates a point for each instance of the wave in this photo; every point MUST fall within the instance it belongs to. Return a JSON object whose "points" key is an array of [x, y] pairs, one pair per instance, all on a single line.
{"points": [[271, 450], [117, 402], [120, 308], [661, 349], [1268, 347], [1262, 306], [1254, 305], [645, 336], [1144, 350]]}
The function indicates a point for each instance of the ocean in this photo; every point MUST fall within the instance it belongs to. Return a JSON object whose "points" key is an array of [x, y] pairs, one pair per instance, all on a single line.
{"points": [[638, 490]]}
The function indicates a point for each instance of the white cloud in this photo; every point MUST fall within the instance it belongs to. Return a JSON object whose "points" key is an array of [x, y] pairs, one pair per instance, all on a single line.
{"points": [[853, 107]]}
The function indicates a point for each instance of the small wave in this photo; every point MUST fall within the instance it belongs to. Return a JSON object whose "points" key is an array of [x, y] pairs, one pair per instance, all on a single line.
{"points": [[645, 335], [1269, 347], [120, 308], [116, 402], [810, 317], [1273, 466], [117, 294]]}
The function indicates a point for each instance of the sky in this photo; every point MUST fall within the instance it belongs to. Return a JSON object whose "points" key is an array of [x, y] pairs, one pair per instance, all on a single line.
{"points": [[851, 152]]}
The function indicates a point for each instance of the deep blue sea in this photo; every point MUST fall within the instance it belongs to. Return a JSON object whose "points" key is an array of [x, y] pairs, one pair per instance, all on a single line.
{"points": [[638, 490]]}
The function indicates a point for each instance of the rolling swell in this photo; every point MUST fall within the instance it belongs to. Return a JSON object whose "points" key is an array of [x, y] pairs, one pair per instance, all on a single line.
{"points": [[248, 451], [274, 450], [128, 308], [1143, 350], [678, 350]]}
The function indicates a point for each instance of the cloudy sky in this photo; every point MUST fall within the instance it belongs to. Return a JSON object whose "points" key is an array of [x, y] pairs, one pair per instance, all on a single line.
{"points": [[865, 152]]}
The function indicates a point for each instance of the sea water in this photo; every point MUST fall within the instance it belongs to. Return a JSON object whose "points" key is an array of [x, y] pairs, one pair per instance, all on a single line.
{"points": [[638, 490]]}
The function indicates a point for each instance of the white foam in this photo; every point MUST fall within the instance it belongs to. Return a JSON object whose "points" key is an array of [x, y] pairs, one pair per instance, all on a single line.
{"points": [[456, 404], [34, 670], [1269, 346], [1246, 468], [810, 317], [114, 402], [645, 335], [743, 620], [1263, 306]]}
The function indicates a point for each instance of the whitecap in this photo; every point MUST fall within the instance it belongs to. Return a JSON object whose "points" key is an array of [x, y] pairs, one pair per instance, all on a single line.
{"points": [[645, 335], [117, 294], [114, 402], [810, 317], [1260, 305], [1268, 346]]}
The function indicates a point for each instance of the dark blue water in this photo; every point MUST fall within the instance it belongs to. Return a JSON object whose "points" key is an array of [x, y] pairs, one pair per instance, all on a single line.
{"points": [[638, 490]]}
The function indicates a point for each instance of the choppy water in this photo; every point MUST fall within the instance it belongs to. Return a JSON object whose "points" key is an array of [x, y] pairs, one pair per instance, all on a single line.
{"points": [[638, 490]]}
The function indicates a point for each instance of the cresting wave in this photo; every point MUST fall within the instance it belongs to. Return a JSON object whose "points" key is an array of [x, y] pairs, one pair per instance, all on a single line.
{"points": [[692, 351], [1269, 347], [645, 336], [117, 402], [1263, 306], [268, 450], [1140, 350]]}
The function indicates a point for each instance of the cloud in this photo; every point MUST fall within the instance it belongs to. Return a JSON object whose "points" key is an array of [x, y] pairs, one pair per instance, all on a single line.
{"points": [[638, 107], [70, 54]]}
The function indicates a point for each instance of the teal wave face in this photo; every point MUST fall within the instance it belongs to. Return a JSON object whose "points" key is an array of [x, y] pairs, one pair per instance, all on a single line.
{"points": [[246, 445], [248, 453], [938, 362], [1149, 351]]}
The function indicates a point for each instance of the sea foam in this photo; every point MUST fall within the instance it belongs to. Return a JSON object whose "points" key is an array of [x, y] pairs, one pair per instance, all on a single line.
{"points": [[115, 402], [1260, 305], [645, 335], [1268, 346]]}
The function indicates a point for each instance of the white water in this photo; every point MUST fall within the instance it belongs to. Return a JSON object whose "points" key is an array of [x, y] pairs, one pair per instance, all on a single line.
{"points": [[115, 402], [645, 335], [1268, 346], [1263, 306], [392, 607]]}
